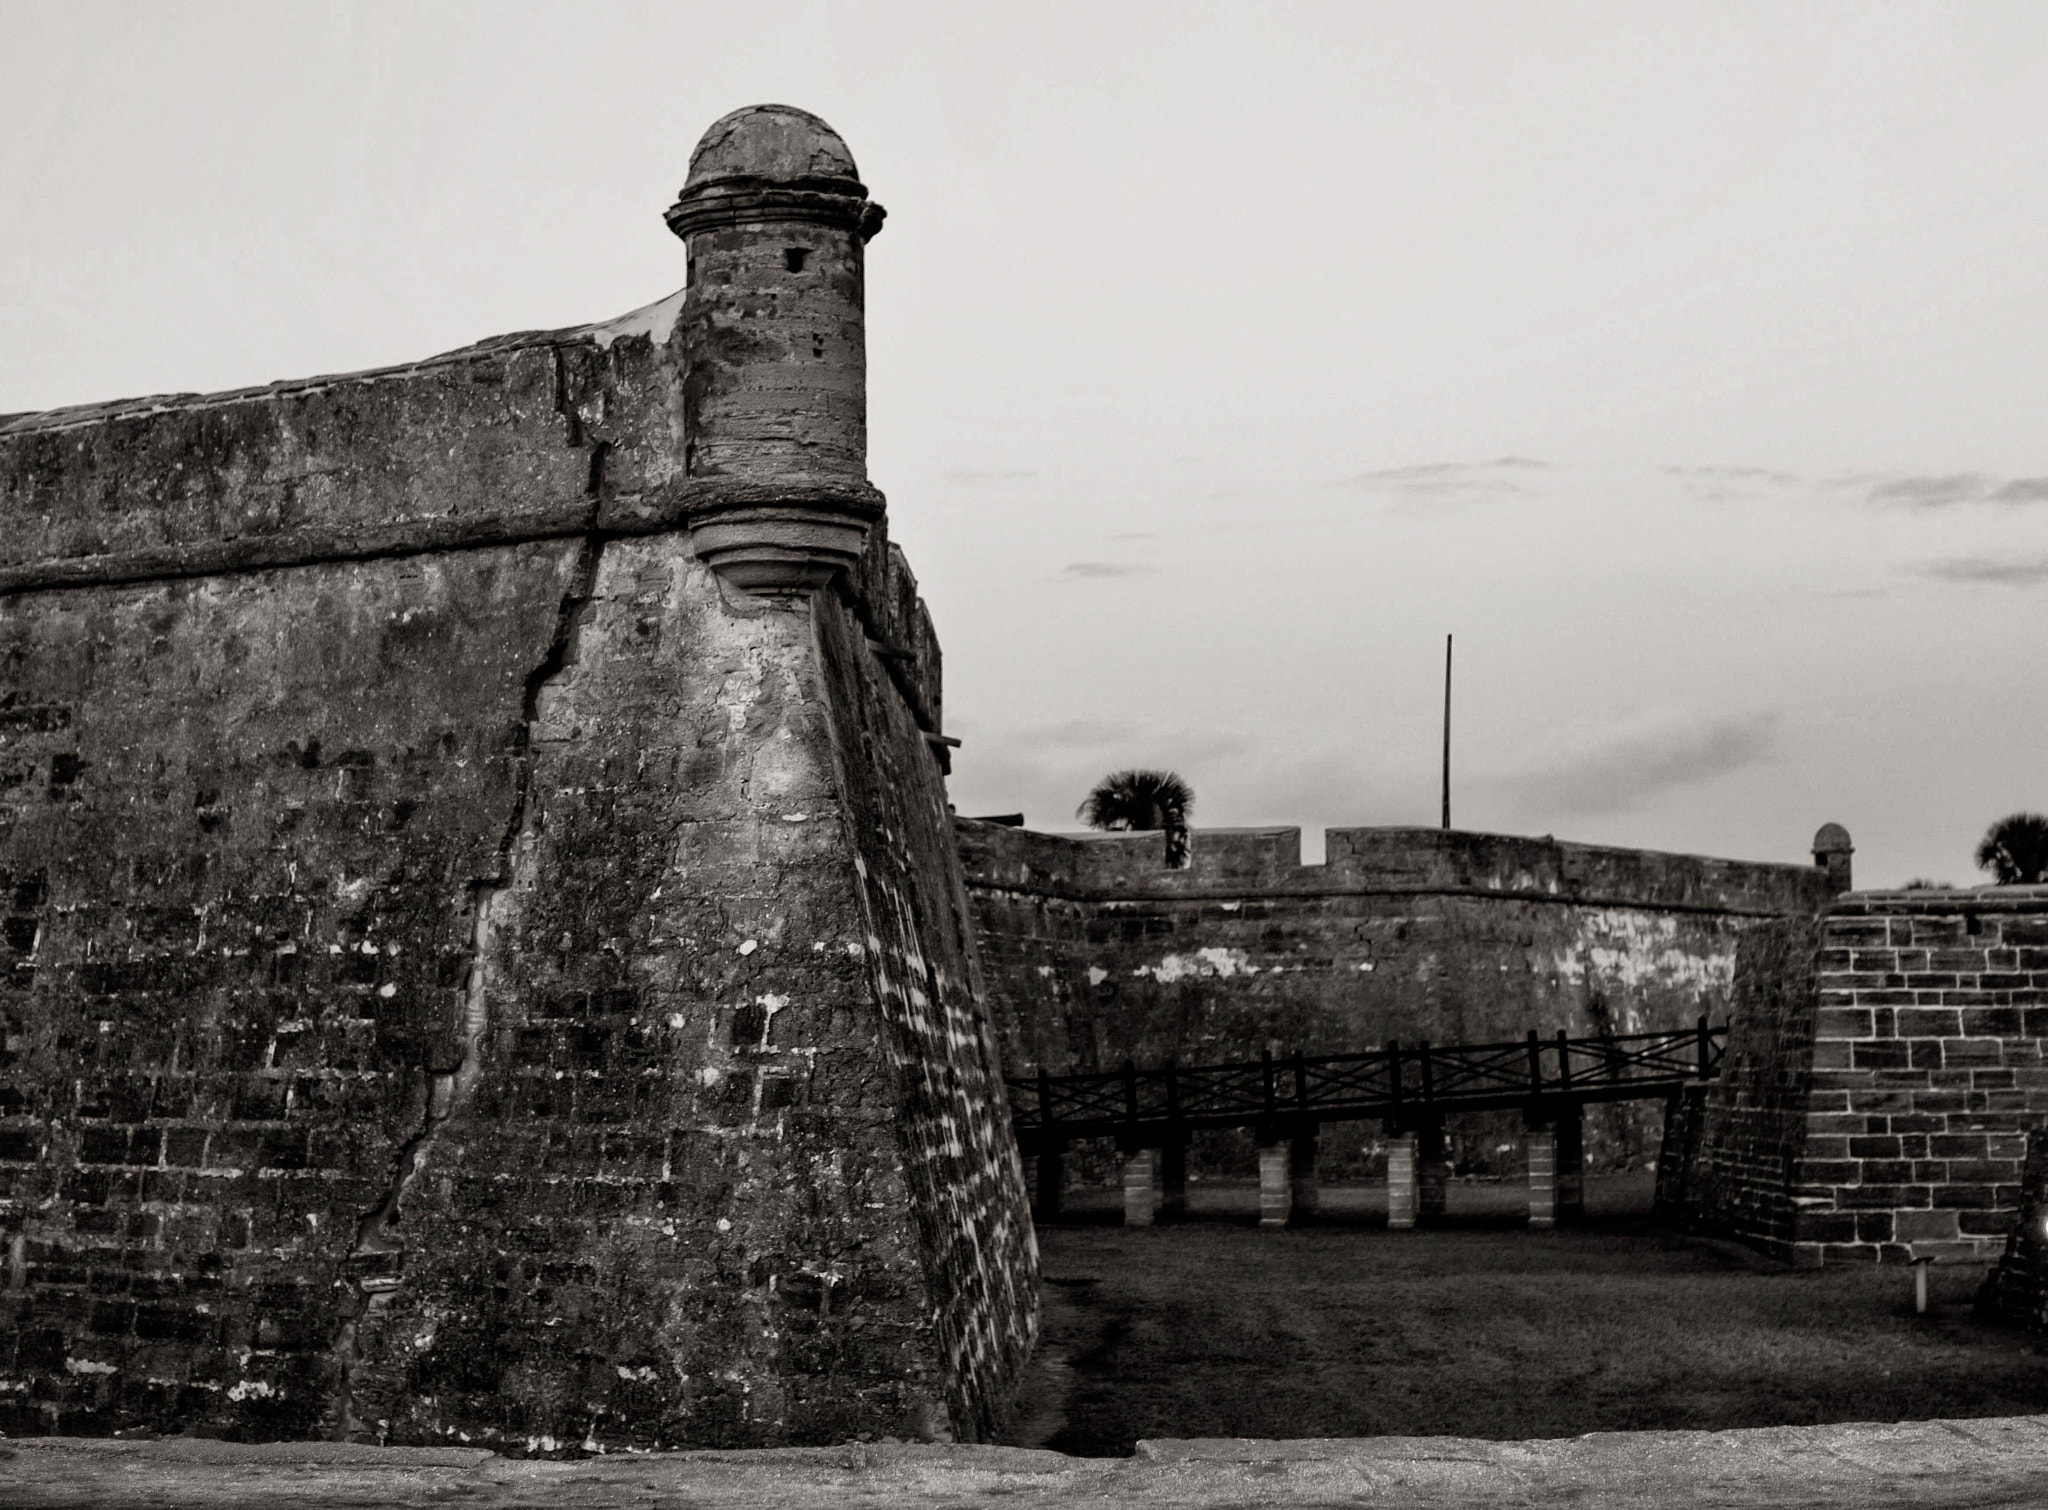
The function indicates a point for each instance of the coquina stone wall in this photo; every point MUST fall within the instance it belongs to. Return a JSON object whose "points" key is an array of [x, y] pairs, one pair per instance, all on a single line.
{"points": [[474, 972], [1884, 1072], [2016, 1289], [1098, 952], [1727, 1147]]}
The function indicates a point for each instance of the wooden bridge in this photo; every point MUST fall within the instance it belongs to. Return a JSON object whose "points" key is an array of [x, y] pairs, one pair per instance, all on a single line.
{"points": [[1410, 1087]]}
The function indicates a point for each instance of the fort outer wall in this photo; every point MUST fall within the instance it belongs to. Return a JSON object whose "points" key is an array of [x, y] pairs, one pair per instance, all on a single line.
{"points": [[1098, 953], [1884, 1072], [485, 954]]}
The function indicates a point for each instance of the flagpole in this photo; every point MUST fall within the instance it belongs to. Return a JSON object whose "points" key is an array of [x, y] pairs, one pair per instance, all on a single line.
{"points": [[1447, 731]]}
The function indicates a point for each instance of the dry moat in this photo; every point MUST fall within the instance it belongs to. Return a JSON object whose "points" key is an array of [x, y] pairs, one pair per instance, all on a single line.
{"points": [[1480, 1328]]}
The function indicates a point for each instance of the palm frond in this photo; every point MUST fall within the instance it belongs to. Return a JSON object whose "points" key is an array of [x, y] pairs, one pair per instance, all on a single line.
{"points": [[1126, 801], [2015, 850]]}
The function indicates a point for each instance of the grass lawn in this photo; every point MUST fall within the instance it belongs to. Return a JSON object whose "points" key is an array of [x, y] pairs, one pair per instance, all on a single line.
{"points": [[1481, 1328]]}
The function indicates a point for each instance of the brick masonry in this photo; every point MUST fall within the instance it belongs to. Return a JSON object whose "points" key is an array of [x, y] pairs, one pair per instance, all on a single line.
{"points": [[1097, 952], [1885, 1070]]}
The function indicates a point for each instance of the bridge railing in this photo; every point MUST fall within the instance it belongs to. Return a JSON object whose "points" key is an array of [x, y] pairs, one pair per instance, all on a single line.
{"points": [[1401, 1081]]}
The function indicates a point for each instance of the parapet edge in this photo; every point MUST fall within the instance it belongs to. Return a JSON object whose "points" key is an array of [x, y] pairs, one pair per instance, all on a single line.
{"points": [[1390, 859]]}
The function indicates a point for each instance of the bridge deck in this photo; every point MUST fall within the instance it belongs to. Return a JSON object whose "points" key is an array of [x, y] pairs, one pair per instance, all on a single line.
{"points": [[1404, 1084]]}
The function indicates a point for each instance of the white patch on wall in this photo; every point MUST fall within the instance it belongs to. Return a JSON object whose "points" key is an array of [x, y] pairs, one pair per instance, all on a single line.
{"points": [[251, 1389], [1097, 975], [1630, 948], [657, 320], [1200, 964]]}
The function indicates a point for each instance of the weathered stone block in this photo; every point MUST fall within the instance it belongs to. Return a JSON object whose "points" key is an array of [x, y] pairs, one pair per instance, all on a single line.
{"points": [[1925, 1226], [1842, 1022], [1922, 1022]]}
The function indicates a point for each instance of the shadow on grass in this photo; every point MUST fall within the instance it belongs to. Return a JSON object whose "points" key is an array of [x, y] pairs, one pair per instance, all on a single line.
{"points": [[1481, 1328]]}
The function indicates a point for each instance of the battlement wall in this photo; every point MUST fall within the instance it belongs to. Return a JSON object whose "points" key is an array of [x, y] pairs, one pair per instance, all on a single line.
{"points": [[549, 435], [1388, 861], [1097, 952]]}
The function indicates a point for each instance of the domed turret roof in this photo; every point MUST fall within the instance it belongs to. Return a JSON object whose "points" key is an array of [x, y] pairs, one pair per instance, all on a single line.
{"points": [[777, 144], [1832, 839]]}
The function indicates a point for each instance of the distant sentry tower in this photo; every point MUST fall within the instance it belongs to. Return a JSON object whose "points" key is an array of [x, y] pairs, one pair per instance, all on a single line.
{"points": [[776, 220], [1831, 852]]}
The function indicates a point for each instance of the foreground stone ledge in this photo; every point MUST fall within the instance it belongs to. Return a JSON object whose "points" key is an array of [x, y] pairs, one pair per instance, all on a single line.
{"points": [[2000, 1461]]}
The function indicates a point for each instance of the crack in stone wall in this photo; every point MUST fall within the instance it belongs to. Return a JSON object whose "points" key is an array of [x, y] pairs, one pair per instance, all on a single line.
{"points": [[377, 1260]]}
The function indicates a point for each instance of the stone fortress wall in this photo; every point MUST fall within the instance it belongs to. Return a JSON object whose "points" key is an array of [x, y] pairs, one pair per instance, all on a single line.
{"points": [[1884, 1074], [1098, 953], [486, 957]]}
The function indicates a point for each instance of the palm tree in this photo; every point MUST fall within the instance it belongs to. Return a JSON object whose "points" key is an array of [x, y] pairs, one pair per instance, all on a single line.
{"points": [[1127, 801], [2015, 850]]}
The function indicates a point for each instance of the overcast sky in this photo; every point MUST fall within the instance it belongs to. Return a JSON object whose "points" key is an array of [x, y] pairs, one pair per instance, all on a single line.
{"points": [[1689, 362]]}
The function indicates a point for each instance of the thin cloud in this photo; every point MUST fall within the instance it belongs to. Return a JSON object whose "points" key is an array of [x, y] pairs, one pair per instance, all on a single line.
{"points": [[970, 479], [2008, 571], [1932, 492], [1734, 474], [1621, 772], [1097, 569], [2023, 490], [1437, 479], [1947, 489], [1044, 770], [1714, 484], [1074, 733]]}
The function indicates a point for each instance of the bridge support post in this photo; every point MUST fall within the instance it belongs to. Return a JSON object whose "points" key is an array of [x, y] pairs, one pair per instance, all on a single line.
{"points": [[1401, 1181], [1047, 1181], [1276, 1187], [1173, 1182], [1557, 1167], [1141, 1187], [1432, 1173], [1542, 1157], [1571, 1161], [1303, 1191]]}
